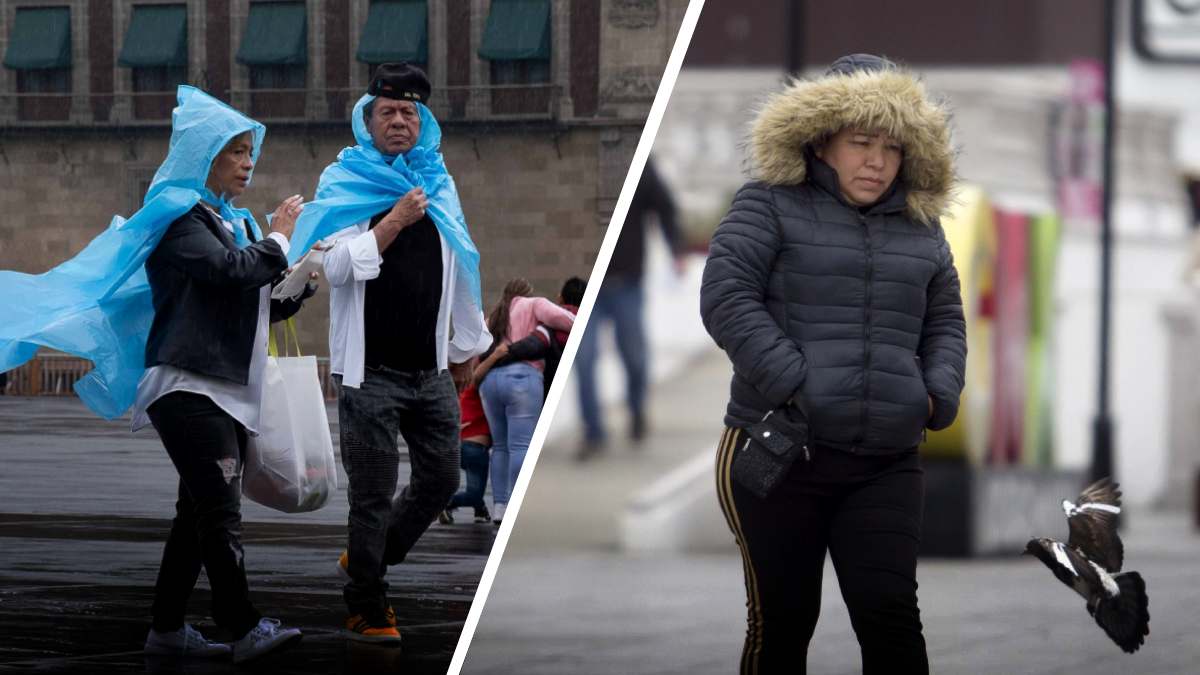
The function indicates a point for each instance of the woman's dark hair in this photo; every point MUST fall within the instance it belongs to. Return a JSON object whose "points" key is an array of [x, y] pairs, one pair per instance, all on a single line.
{"points": [[572, 291], [498, 319]]}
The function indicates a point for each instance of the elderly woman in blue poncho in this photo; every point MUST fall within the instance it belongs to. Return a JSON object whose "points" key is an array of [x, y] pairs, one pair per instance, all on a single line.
{"points": [[210, 278], [172, 307]]}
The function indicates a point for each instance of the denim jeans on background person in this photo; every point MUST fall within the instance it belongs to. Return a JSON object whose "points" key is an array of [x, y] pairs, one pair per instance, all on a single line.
{"points": [[475, 463], [512, 401], [208, 449], [423, 408], [619, 301]]}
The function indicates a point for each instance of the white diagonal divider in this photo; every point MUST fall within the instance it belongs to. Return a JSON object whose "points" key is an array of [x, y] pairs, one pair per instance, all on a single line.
{"points": [[665, 86]]}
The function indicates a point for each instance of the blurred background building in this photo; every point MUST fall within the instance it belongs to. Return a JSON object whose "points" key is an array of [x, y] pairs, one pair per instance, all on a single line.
{"points": [[541, 102]]}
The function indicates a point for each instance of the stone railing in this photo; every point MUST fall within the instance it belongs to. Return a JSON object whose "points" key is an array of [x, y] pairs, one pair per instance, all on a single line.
{"points": [[492, 103], [56, 374]]}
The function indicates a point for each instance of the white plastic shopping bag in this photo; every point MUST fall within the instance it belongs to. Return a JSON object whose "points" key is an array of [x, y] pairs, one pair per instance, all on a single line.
{"points": [[290, 465]]}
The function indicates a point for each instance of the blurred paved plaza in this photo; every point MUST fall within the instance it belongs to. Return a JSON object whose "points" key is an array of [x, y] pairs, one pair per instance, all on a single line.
{"points": [[84, 512]]}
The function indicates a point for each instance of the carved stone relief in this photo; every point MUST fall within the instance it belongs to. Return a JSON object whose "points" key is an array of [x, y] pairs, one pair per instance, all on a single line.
{"points": [[633, 13], [630, 84]]}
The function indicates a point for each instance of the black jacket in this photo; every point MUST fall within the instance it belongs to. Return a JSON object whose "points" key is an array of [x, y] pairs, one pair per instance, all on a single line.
{"points": [[652, 197], [206, 294], [856, 313], [852, 314]]}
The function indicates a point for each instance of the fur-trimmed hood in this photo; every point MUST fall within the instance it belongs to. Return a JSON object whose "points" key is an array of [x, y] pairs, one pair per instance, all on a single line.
{"points": [[880, 96]]}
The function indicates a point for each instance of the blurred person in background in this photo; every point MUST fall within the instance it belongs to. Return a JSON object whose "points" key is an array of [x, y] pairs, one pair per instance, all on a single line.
{"points": [[512, 394], [620, 301], [831, 287], [475, 450], [476, 443], [549, 344]]}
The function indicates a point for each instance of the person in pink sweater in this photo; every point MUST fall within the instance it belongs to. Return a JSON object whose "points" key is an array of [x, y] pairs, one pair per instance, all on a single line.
{"points": [[512, 394]]}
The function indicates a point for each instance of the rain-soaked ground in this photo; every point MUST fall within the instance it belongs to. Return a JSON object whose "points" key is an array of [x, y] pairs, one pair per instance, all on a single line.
{"points": [[84, 511]]}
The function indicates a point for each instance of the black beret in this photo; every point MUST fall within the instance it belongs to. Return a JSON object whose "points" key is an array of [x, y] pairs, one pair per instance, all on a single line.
{"points": [[402, 81]]}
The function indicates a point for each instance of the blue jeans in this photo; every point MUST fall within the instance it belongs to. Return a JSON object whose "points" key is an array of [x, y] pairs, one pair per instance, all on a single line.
{"points": [[475, 464], [619, 301], [512, 401]]}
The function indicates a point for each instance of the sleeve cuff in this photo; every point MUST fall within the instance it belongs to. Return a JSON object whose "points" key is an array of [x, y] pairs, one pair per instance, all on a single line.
{"points": [[365, 249], [282, 241]]}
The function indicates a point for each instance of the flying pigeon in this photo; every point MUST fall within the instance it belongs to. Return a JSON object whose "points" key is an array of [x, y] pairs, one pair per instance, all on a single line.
{"points": [[1090, 564]]}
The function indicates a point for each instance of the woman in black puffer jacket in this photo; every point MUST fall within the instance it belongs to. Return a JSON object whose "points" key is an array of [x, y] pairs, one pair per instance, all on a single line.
{"points": [[831, 286]]}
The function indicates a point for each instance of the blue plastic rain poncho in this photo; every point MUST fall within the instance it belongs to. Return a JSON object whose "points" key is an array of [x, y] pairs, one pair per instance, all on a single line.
{"points": [[97, 305], [364, 182]]}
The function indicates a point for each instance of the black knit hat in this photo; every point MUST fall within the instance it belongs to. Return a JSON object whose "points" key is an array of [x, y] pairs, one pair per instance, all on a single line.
{"points": [[853, 63], [401, 81]]}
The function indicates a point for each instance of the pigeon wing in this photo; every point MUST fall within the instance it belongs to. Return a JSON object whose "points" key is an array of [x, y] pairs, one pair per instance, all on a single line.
{"points": [[1093, 525]]}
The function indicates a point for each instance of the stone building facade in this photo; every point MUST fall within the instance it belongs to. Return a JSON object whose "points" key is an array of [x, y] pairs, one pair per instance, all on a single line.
{"points": [[538, 164]]}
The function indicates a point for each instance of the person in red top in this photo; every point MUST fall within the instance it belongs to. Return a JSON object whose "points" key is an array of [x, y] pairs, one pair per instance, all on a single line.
{"points": [[476, 444]]}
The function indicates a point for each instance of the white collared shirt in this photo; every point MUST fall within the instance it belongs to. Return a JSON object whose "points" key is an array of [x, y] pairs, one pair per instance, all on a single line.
{"points": [[352, 262]]}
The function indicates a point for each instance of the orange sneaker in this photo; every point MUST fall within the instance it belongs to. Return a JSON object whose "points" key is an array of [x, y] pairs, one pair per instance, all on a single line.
{"points": [[360, 629], [343, 565]]}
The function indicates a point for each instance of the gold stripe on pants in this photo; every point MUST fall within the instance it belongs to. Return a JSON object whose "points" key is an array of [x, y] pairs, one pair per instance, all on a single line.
{"points": [[752, 650]]}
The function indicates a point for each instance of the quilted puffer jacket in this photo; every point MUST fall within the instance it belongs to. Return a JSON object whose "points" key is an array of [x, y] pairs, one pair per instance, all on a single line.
{"points": [[851, 314]]}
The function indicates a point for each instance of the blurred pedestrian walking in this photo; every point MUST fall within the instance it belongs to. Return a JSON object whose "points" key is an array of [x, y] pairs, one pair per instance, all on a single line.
{"points": [[620, 301]]}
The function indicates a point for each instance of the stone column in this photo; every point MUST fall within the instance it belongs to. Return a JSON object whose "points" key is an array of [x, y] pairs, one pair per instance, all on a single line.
{"points": [[560, 57]]}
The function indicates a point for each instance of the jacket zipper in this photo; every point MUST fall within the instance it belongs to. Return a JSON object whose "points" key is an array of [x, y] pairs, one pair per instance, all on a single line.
{"points": [[862, 426], [921, 374]]}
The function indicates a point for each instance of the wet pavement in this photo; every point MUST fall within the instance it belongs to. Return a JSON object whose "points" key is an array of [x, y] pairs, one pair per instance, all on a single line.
{"points": [[84, 511]]}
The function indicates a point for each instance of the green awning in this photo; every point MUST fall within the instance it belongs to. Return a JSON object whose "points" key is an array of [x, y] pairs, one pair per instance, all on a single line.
{"points": [[395, 31], [157, 36], [40, 38], [517, 30], [276, 35]]}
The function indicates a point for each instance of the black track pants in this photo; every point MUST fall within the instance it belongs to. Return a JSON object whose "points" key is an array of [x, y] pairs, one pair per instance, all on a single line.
{"points": [[866, 511]]}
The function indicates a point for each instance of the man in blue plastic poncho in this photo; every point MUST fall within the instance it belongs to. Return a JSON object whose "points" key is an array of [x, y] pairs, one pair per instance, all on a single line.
{"points": [[172, 306], [405, 324]]}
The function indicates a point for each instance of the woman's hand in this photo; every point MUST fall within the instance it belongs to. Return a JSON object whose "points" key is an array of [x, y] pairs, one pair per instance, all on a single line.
{"points": [[501, 351], [283, 220]]}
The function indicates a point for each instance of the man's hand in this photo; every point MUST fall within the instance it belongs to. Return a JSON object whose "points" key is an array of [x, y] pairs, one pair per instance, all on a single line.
{"points": [[408, 209], [463, 374], [930, 407]]}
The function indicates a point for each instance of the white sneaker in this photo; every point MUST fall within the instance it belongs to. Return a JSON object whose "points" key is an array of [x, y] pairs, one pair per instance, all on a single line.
{"points": [[498, 512], [264, 637], [186, 641]]}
